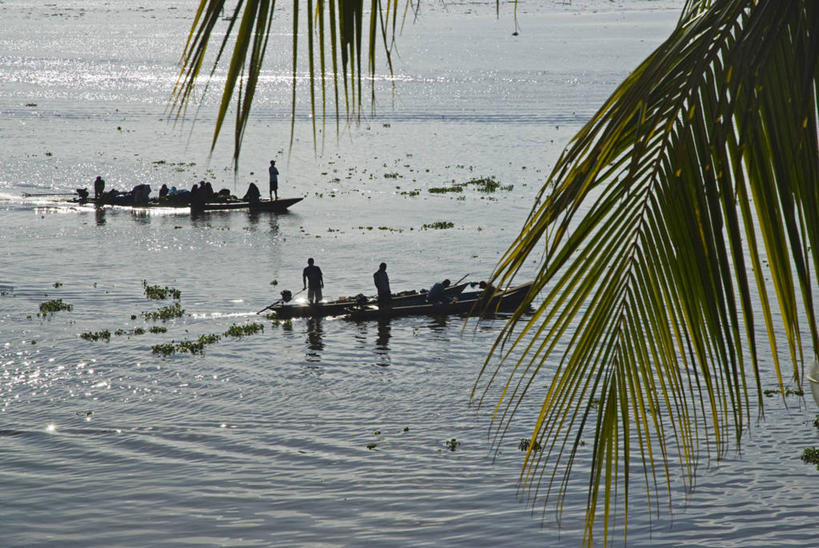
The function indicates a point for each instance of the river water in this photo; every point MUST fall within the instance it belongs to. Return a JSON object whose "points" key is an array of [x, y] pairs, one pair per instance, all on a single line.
{"points": [[313, 432]]}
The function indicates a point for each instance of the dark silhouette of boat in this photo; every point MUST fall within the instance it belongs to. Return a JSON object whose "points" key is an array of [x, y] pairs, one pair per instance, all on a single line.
{"points": [[472, 303]]}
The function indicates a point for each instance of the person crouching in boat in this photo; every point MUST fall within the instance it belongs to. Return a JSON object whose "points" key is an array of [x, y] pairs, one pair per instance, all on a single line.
{"points": [[313, 281], [382, 284], [437, 293], [252, 195]]}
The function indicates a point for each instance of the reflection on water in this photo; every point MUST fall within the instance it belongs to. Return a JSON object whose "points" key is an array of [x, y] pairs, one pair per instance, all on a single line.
{"points": [[99, 216], [382, 347], [315, 342]]}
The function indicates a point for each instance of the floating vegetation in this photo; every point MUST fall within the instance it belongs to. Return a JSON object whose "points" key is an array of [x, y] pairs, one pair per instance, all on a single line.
{"points": [[58, 284], [50, 307], [811, 456], [525, 442], [166, 313], [439, 225], [194, 347], [95, 336], [158, 329], [452, 444], [156, 292], [445, 189], [410, 193], [483, 184], [244, 330], [372, 446], [788, 392], [391, 175]]}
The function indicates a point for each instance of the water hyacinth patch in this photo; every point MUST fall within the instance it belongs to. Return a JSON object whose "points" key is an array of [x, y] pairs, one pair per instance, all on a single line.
{"points": [[439, 225], [194, 347], [103, 335], [156, 292], [166, 313], [244, 330], [811, 456], [50, 307]]}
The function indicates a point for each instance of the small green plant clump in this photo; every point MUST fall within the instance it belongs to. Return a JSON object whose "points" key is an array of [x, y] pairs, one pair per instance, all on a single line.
{"points": [[158, 329], [452, 444], [166, 313], [160, 293], [50, 307], [526, 442], [439, 225], [103, 335], [244, 330], [194, 347], [811, 456]]}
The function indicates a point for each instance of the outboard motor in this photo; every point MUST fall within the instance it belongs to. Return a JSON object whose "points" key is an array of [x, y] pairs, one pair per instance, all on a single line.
{"points": [[286, 296]]}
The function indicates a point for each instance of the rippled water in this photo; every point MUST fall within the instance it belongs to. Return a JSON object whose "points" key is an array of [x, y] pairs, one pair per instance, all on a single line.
{"points": [[320, 432]]}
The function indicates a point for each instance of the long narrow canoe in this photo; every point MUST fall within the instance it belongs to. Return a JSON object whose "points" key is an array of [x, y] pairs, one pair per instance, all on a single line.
{"points": [[342, 306], [272, 206], [501, 301]]}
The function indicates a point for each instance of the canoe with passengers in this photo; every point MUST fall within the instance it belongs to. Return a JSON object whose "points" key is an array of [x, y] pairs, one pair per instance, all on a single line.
{"points": [[285, 309], [222, 201], [471, 303]]}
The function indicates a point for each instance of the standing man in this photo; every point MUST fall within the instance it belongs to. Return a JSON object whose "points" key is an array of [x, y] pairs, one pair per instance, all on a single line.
{"points": [[99, 187], [311, 276], [274, 180], [382, 283]]}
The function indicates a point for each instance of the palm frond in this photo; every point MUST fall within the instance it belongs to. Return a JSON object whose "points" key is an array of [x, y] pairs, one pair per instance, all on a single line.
{"points": [[699, 170], [247, 35]]}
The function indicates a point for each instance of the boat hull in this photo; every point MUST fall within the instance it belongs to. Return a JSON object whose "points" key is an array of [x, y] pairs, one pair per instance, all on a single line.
{"points": [[341, 307], [501, 301]]}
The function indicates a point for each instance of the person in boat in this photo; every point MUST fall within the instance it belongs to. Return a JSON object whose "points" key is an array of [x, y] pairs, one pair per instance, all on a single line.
{"points": [[485, 297], [382, 284], [163, 191], [313, 281], [437, 293], [197, 198], [252, 194], [99, 187], [274, 179], [140, 194]]}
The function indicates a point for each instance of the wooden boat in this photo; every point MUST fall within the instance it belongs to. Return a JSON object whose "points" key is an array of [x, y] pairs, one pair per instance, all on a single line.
{"points": [[342, 306], [506, 300], [272, 206]]}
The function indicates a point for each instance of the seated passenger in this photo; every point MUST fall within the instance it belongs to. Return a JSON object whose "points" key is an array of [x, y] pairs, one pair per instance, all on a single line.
{"points": [[437, 293], [252, 194]]}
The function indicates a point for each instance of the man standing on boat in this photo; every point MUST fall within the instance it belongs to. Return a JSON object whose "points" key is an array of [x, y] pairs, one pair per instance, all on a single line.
{"points": [[312, 278], [382, 283], [274, 180], [99, 187]]}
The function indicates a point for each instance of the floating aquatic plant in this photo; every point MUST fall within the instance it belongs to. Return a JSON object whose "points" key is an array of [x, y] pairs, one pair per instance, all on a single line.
{"points": [[157, 329], [166, 313], [811, 456], [160, 293], [50, 307], [103, 335], [244, 330], [526, 442], [194, 347], [452, 444], [439, 225]]}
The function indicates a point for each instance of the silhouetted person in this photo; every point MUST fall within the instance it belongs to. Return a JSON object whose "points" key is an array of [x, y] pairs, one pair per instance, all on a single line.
{"points": [[313, 281], [382, 283], [252, 194], [274, 179], [437, 293], [99, 187], [163, 191]]}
